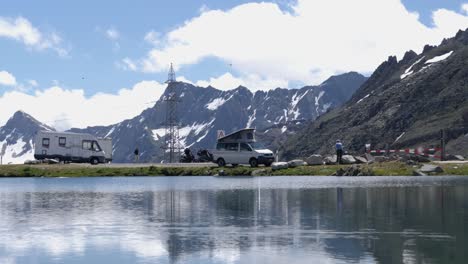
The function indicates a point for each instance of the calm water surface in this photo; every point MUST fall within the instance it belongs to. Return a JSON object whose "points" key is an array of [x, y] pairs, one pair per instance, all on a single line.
{"points": [[234, 220]]}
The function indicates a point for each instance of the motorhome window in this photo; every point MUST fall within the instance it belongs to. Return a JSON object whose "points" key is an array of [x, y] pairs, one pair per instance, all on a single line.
{"points": [[62, 141], [232, 146], [250, 136], [221, 146], [245, 147], [96, 146], [87, 145], [45, 142]]}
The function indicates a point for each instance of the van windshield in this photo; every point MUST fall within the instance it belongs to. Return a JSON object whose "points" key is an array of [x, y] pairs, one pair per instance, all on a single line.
{"points": [[257, 145]]}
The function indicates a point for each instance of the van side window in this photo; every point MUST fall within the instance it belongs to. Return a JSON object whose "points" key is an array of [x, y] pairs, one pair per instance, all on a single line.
{"points": [[221, 146], [231, 146], [87, 145], [62, 141], [250, 136], [96, 146], [45, 142], [245, 147]]}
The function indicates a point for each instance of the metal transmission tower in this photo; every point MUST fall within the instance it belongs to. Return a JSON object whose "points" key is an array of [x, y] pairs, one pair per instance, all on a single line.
{"points": [[172, 145]]}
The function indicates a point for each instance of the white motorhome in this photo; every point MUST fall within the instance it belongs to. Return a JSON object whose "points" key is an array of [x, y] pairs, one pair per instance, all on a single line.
{"points": [[72, 147], [241, 147]]}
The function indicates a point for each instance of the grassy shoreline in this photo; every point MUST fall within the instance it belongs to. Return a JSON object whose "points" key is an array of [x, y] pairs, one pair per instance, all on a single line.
{"points": [[377, 169]]}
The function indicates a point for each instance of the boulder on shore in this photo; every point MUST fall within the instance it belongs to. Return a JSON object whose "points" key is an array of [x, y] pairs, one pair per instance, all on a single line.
{"points": [[360, 159], [330, 160], [279, 165], [428, 168], [348, 159], [315, 160], [370, 159], [296, 163]]}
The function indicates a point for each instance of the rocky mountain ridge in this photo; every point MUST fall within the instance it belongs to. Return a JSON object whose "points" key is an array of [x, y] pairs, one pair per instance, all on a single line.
{"points": [[403, 104]]}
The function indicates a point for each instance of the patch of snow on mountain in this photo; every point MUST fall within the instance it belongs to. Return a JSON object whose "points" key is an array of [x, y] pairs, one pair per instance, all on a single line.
{"points": [[196, 129], [326, 107], [251, 119], [409, 71], [142, 119], [362, 99], [283, 129], [12, 152], [158, 133], [317, 99], [215, 104], [110, 131], [295, 100], [400, 136], [439, 58]]}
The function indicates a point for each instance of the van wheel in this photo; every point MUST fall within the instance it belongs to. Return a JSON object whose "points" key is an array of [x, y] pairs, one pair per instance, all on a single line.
{"points": [[253, 162], [94, 161], [221, 162]]}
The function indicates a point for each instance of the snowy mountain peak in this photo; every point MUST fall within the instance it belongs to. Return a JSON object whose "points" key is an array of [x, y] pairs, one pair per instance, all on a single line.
{"points": [[17, 138]]}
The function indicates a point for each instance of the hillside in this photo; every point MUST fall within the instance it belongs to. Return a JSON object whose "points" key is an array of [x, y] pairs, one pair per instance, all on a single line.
{"points": [[403, 104]]}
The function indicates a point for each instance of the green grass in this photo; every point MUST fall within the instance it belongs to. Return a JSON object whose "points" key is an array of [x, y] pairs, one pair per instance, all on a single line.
{"points": [[377, 169]]}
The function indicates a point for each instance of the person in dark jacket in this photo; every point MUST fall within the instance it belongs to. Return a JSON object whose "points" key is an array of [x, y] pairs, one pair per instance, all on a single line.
{"points": [[137, 155], [339, 151]]}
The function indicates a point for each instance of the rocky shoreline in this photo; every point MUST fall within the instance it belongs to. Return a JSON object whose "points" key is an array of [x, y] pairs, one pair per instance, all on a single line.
{"points": [[391, 168]]}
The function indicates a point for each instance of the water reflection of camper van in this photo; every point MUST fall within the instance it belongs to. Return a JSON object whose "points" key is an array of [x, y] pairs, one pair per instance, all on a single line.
{"points": [[72, 147], [241, 147]]}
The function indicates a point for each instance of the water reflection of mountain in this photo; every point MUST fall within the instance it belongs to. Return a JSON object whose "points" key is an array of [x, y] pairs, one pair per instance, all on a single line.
{"points": [[384, 225]]}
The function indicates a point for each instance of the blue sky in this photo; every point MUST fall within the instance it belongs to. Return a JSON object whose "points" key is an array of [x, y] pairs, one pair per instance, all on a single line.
{"points": [[100, 47], [92, 56]]}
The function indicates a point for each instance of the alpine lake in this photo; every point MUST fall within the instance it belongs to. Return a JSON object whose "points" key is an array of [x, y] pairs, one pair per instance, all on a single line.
{"points": [[234, 220]]}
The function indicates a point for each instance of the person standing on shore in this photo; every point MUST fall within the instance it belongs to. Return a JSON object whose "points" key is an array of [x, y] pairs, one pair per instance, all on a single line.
{"points": [[339, 151], [137, 155]]}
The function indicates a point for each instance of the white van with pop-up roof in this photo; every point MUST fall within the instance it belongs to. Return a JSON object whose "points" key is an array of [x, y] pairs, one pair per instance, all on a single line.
{"points": [[241, 147]]}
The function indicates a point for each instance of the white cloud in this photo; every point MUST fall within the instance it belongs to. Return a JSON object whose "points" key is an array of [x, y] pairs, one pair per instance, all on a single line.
{"points": [[254, 82], [153, 37], [313, 41], [465, 8], [127, 64], [20, 29], [33, 83], [204, 8], [66, 108], [7, 79], [112, 34]]}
